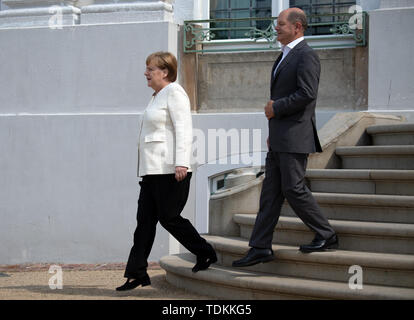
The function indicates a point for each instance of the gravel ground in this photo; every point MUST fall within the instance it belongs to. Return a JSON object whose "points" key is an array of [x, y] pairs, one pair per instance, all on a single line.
{"points": [[85, 282]]}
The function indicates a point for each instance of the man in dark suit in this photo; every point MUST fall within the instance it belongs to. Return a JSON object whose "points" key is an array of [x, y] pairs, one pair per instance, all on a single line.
{"points": [[292, 136]]}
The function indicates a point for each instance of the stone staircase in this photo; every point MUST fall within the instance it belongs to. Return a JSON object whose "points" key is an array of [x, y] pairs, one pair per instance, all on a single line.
{"points": [[369, 202]]}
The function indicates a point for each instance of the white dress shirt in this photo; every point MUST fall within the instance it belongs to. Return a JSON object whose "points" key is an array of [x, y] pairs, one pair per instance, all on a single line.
{"points": [[286, 49]]}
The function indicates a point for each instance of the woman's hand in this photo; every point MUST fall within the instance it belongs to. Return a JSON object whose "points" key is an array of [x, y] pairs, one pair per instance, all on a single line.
{"points": [[180, 173]]}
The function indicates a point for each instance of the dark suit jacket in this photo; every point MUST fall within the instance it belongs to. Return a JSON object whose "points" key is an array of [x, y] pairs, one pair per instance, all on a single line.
{"points": [[294, 89]]}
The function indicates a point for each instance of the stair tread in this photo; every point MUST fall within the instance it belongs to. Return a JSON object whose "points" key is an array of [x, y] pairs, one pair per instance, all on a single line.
{"points": [[375, 150], [341, 226], [366, 174], [391, 129], [374, 200], [181, 265], [344, 257]]}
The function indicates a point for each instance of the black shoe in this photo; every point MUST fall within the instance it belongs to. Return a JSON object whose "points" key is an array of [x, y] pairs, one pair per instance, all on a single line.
{"points": [[321, 245], [203, 263], [254, 256], [132, 284]]}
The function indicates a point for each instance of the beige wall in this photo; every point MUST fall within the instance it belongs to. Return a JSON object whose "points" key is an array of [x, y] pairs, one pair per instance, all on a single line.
{"points": [[239, 82]]}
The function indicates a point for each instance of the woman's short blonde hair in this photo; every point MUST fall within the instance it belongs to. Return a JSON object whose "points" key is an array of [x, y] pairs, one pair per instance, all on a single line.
{"points": [[164, 60]]}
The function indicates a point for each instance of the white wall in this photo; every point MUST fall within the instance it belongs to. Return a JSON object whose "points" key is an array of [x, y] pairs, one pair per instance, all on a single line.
{"points": [[368, 5], [97, 68], [70, 103], [183, 10], [68, 188]]}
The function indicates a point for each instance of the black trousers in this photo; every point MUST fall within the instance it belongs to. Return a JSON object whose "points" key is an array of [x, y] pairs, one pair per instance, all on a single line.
{"points": [[285, 179], [162, 199]]}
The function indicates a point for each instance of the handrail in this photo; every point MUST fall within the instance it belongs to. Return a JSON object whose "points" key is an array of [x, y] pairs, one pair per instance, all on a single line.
{"points": [[199, 33]]}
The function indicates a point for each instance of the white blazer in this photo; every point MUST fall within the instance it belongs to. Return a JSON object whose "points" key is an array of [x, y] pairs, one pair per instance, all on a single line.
{"points": [[166, 135]]}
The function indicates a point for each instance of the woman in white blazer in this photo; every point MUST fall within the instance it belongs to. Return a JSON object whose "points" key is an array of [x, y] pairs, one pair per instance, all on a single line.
{"points": [[164, 154]]}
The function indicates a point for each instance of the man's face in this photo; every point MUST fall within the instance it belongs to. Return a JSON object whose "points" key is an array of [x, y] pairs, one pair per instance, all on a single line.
{"points": [[286, 31]]}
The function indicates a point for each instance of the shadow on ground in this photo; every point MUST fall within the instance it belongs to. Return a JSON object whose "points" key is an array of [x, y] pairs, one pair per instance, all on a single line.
{"points": [[160, 289]]}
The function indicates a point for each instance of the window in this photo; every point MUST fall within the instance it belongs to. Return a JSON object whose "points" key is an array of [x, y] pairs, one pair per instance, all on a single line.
{"points": [[318, 7], [224, 9]]}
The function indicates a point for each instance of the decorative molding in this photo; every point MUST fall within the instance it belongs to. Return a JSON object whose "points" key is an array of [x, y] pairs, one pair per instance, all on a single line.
{"points": [[56, 13], [54, 17], [127, 12], [20, 4]]}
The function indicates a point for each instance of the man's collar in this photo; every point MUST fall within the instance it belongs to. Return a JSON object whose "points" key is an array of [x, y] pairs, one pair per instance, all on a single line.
{"points": [[293, 44]]}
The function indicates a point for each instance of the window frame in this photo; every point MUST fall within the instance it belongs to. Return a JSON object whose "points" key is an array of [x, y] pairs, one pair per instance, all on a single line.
{"points": [[311, 10], [327, 41], [228, 15]]}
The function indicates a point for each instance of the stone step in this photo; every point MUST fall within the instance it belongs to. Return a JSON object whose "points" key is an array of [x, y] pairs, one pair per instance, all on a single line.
{"points": [[377, 157], [235, 284], [377, 268], [383, 237], [363, 181], [359, 207], [399, 134], [362, 207]]}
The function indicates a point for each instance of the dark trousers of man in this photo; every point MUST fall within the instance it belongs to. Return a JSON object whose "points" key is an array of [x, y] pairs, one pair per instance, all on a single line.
{"points": [[162, 198], [285, 179]]}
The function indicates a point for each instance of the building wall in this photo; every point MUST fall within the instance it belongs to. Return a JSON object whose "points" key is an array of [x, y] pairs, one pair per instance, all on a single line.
{"points": [[237, 82], [391, 85], [70, 106], [84, 69]]}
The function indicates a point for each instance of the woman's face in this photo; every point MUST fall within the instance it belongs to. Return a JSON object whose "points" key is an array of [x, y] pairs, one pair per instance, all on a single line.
{"points": [[156, 77]]}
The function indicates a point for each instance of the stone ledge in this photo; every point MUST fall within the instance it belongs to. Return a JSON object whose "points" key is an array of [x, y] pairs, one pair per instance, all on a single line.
{"points": [[127, 12], [117, 7], [40, 17], [37, 11], [18, 4], [21, 16]]}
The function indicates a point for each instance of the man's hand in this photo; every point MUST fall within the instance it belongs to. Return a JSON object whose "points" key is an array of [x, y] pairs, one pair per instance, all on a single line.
{"points": [[269, 110], [180, 173]]}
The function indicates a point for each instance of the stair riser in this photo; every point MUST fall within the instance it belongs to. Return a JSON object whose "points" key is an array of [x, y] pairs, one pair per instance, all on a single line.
{"points": [[346, 241], [403, 188], [227, 292], [396, 162], [361, 213], [393, 139], [321, 271]]}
